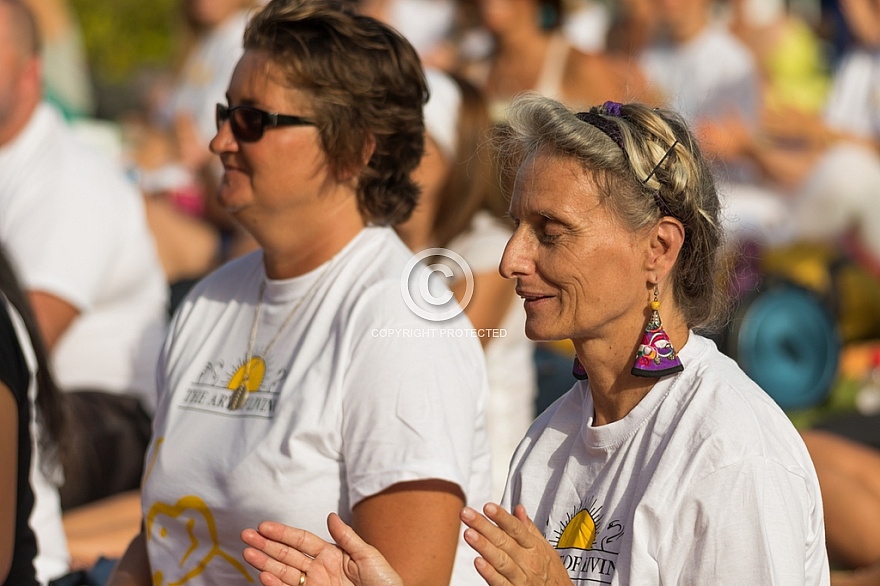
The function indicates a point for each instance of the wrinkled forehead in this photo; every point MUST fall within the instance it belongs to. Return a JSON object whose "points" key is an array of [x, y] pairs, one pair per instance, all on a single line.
{"points": [[548, 181]]}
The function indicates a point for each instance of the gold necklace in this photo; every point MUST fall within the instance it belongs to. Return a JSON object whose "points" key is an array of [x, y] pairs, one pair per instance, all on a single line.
{"points": [[239, 396]]}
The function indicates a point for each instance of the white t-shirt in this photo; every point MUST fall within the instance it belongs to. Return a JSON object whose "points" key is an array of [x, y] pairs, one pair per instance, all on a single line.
{"points": [[713, 75], [356, 395], [75, 228], [705, 481], [510, 360], [854, 103]]}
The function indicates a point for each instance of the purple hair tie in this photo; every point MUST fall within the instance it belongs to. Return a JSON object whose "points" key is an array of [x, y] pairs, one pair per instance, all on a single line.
{"points": [[612, 108]]}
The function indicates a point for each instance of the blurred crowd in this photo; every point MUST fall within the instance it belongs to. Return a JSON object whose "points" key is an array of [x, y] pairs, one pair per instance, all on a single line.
{"points": [[107, 230]]}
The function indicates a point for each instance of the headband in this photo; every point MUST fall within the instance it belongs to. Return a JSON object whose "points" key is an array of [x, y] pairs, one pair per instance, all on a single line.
{"points": [[612, 131], [596, 120]]}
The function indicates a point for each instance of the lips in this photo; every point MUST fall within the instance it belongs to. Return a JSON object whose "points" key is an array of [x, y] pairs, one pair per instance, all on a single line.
{"points": [[531, 298], [229, 166]]}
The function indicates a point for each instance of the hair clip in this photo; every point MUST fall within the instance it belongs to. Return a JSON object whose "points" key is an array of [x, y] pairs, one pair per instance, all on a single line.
{"points": [[660, 162]]}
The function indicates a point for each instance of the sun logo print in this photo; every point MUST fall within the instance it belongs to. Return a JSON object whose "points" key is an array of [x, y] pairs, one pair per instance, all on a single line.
{"points": [[253, 384], [587, 548]]}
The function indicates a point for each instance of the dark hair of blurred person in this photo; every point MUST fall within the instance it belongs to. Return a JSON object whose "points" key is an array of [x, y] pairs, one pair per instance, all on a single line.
{"points": [[18, 544]]}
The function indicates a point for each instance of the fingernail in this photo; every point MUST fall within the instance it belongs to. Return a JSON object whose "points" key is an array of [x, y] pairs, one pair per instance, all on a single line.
{"points": [[491, 508], [470, 535], [467, 514]]}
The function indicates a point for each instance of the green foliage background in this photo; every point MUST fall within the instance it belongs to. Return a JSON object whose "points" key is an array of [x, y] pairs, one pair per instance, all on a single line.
{"points": [[124, 36]]}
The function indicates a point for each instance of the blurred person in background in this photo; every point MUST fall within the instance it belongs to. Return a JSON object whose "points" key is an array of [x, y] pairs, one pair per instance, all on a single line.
{"points": [[788, 53], [428, 24], [32, 547], [66, 79], [834, 168], [849, 477], [285, 391], [174, 166], [529, 52], [460, 209], [710, 77], [75, 231]]}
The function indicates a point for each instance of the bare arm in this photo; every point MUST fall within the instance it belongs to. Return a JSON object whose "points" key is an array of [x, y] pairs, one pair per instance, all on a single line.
{"points": [[415, 526], [54, 315], [134, 567], [8, 477]]}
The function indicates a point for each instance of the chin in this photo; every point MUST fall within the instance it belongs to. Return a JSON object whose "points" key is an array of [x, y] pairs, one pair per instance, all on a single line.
{"points": [[540, 333]]}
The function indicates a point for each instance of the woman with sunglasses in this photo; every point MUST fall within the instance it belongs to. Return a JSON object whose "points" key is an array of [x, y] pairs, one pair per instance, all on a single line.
{"points": [[295, 381]]}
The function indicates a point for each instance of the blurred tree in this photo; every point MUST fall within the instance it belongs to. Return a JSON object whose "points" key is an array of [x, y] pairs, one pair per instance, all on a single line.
{"points": [[125, 36]]}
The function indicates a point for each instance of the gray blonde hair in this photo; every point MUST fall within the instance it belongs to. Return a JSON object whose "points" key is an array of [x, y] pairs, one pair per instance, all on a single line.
{"points": [[649, 138]]}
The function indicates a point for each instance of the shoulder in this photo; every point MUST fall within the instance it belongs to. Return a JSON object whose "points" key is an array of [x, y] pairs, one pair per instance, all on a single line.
{"points": [[725, 417], [227, 283]]}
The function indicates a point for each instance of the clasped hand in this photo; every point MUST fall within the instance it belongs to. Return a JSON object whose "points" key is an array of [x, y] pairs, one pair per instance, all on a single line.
{"points": [[511, 549]]}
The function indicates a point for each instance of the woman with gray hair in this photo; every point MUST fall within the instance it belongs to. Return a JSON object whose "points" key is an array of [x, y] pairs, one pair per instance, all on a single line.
{"points": [[665, 463]]}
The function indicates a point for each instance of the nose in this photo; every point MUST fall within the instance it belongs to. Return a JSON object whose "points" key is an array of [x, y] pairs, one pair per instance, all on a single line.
{"points": [[224, 141], [516, 260]]}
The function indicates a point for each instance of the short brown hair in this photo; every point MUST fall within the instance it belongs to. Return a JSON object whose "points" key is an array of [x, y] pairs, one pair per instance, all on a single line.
{"points": [[368, 85]]}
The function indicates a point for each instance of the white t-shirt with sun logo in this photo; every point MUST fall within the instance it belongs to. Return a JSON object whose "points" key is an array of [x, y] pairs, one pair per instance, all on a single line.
{"points": [[705, 481], [357, 394]]}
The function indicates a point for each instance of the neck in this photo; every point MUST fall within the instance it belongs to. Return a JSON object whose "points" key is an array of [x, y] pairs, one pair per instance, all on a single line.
{"points": [[615, 390], [297, 247]]}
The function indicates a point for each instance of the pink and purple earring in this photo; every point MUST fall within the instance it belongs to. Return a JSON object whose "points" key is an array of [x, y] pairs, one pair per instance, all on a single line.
{"points": [[656, 357], [577, 371]]}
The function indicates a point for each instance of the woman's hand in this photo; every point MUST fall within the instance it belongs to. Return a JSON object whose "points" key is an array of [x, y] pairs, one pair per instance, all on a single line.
{"points": [[284, 554], [512, 549]]}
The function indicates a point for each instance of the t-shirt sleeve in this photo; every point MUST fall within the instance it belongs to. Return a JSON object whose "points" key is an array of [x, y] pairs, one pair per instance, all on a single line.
{"points": [[64, 221], [747, 523], [414, 398]]}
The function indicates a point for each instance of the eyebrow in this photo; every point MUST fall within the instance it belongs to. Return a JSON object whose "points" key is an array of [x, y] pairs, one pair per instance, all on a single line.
{"points": [[552, 217], [244, 102]]}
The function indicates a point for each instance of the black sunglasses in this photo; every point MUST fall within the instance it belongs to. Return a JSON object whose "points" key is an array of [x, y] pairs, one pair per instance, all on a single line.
{"points": [[249, 123]]}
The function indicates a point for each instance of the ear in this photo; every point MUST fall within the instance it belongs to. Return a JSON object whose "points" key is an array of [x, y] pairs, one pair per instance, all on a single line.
{"points": [[664, 244], [369, 149], [366, 155], [32, 74]]}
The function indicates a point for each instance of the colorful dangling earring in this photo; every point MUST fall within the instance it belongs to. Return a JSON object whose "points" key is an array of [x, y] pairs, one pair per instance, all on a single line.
{"points": [[656, 357], [577, 371]]}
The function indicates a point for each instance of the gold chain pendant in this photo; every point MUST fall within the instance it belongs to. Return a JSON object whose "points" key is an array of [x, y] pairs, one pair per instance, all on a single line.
{"points": [[239, 397]]}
